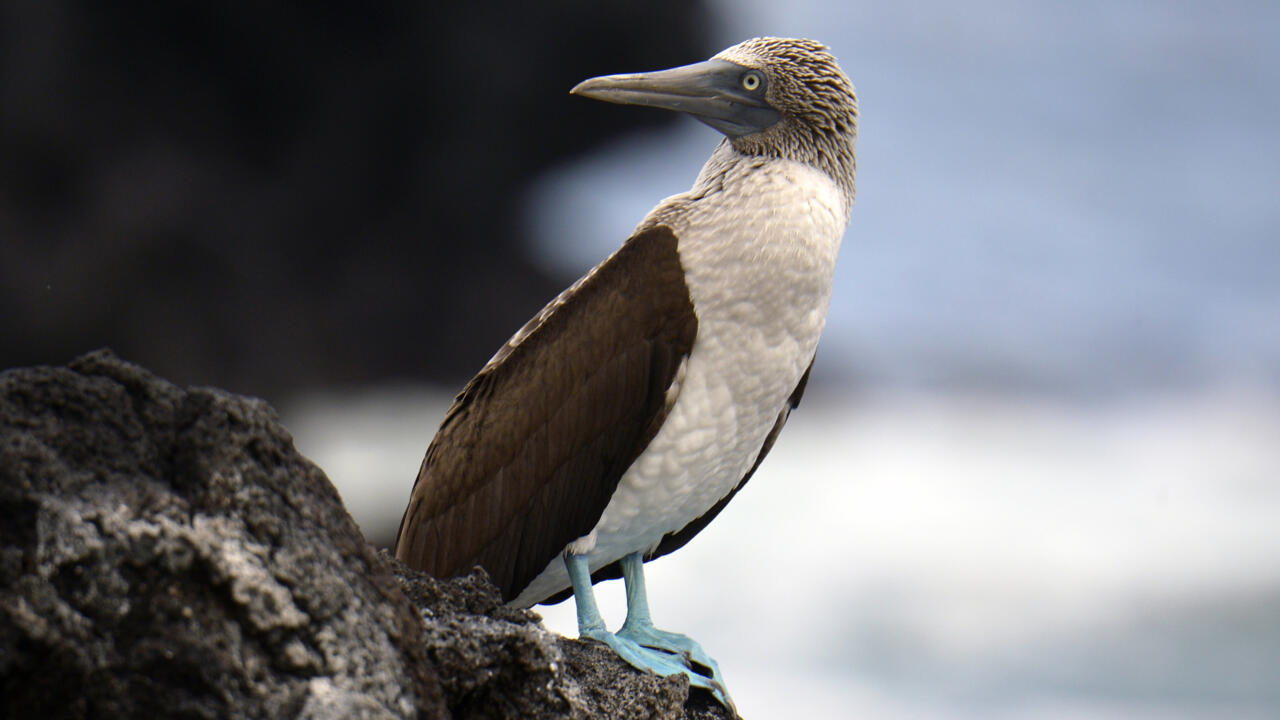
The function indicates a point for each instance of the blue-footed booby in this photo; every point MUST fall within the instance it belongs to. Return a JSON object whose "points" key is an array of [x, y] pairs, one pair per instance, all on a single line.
{"points": [[623, 417]]}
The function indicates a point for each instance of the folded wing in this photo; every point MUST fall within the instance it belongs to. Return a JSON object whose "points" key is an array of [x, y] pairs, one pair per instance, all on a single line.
{"points": [[533, 447]]}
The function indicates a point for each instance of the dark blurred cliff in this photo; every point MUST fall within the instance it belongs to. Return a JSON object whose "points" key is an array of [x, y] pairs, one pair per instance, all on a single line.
{"points": [[269, 196]]}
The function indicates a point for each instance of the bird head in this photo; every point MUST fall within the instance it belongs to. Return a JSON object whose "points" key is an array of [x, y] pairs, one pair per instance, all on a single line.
{"points": [[777, 97]]}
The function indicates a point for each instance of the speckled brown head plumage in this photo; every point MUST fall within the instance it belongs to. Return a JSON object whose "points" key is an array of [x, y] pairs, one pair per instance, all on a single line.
{"points": [[815, 99]]}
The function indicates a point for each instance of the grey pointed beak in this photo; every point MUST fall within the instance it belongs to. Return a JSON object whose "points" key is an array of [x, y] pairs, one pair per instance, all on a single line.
{"points": [[711, 91]]}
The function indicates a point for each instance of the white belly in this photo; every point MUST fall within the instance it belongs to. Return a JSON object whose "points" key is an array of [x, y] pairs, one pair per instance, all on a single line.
{"points": [[761, 285]]}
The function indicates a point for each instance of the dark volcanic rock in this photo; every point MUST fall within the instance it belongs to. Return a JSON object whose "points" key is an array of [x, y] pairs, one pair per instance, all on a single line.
{"points": [[496, 662], [167, 553]]}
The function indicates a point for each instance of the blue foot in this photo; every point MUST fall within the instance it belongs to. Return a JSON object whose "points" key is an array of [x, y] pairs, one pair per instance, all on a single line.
{"points": [[658, 662], [638, 642], [639, 629], [682, 646]]}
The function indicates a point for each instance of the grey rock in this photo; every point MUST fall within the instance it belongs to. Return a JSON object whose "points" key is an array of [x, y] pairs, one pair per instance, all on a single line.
{"points": [[167, 553], [499, 662]]}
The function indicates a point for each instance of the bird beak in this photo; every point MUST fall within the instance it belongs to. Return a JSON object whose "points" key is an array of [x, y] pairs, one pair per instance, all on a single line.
{"points": [[710, 91]]}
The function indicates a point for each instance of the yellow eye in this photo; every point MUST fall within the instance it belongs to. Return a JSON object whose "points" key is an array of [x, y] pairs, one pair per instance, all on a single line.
{"points": [[751, 81]]}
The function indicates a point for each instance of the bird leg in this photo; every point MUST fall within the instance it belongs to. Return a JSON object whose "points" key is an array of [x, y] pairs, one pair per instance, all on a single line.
{"points": [[656, 659], [639, 628]]}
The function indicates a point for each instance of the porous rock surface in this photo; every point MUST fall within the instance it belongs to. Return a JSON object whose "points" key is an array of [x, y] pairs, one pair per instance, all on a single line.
{"points": [[166, 552], [499, 662]]}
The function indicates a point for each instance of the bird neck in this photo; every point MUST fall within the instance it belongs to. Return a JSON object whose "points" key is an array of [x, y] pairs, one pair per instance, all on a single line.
{"points": [[724, 169], [832, 152]]}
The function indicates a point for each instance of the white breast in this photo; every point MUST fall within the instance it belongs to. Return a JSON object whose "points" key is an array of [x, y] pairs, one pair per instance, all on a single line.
{"points": [[758, 240]]}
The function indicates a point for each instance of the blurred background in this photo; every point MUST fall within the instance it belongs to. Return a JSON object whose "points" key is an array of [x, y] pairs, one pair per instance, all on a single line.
{"points": [[1037, 471]]}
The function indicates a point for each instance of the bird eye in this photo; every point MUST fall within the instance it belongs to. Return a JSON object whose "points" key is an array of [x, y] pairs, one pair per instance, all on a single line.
{"points": [[751, 81]]}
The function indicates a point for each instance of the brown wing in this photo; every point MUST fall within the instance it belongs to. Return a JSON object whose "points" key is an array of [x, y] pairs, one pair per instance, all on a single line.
{"points": [[676, 540], [533, 447]]}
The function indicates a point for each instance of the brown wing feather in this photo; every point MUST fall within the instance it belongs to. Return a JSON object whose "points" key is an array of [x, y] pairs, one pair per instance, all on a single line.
{"points": [[533, 447], [676, 540]]}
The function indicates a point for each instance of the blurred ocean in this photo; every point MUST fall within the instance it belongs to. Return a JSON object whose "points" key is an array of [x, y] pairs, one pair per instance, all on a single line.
{"points": [[1037, 474]]}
